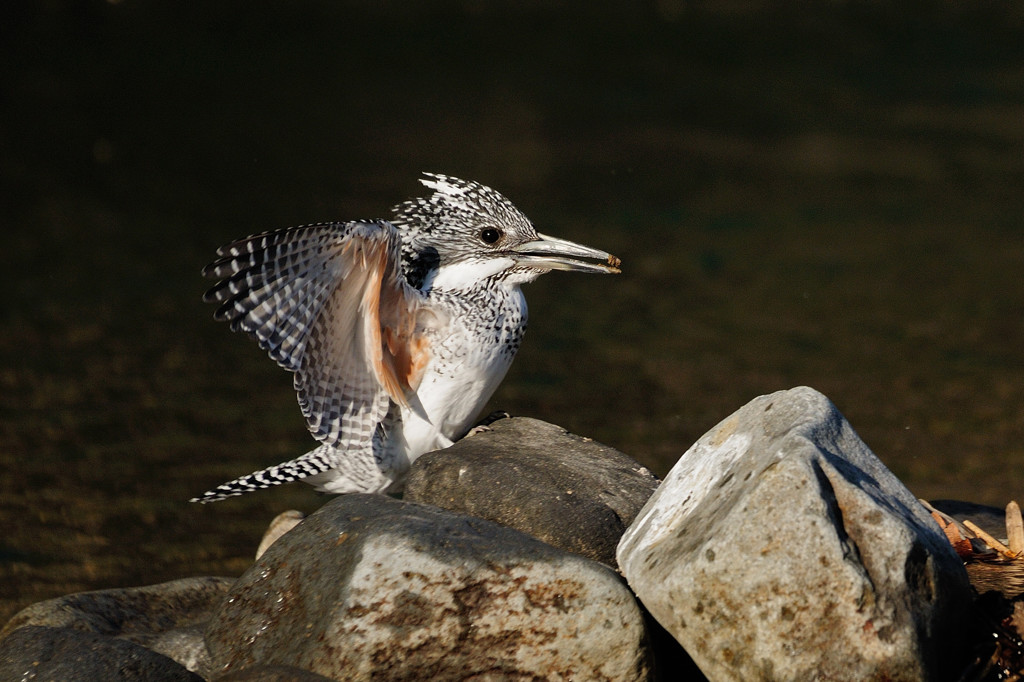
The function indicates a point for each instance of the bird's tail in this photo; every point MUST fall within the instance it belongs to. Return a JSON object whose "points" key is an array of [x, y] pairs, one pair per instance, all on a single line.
{"points": [[313, 462]]}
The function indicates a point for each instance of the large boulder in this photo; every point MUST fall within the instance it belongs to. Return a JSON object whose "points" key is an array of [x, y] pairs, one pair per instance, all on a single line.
{"points": [[571, 492], [780, 547], [370, 586]]}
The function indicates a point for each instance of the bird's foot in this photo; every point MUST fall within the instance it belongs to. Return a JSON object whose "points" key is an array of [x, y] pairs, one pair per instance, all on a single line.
{"points": [[485, 423]]}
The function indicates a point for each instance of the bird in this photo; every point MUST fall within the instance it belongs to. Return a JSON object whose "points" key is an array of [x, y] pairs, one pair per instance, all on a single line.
{"points": [[397, 332]]}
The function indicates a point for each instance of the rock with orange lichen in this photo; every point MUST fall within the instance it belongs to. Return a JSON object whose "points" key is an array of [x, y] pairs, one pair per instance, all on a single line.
{"points": [[372, 587]]}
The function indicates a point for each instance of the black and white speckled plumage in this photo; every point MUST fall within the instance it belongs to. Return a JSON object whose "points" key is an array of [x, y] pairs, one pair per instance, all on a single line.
{"points": [[397, 332]]}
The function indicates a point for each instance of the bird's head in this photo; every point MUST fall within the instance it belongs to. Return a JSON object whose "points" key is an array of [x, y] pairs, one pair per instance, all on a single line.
{"points": [[465, 232]]}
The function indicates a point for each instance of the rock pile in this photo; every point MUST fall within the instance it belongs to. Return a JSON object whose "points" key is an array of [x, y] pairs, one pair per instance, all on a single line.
{"points": [[779, 547]]}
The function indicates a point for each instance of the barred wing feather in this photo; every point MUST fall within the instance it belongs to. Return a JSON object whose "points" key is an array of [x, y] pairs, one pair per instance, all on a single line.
{"points": [[329, 303]]}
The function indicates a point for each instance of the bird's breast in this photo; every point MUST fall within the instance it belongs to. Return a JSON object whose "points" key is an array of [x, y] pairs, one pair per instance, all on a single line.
{"points": [[469, 357]]}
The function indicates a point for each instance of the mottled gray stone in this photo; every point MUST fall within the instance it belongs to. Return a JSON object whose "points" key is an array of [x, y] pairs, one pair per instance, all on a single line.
{"points": [[780, 547], [185, 645], [162, 617], [272, 673], [568, 491], [369, 586], [67, 655]]}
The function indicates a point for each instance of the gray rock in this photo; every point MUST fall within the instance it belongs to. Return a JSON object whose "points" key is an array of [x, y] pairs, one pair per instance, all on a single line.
{"points": [[370, 586], [163, 617], [568, 491], [780, 547], [185, 645], [67, 655], [272, 673]]}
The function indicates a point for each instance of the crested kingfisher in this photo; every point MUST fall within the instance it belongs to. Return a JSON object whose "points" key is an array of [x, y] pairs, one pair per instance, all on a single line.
{"points": [[397, 331]]}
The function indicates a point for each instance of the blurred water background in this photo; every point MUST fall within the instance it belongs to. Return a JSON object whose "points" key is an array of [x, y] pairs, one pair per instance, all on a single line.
{"points": [[826, 194]]}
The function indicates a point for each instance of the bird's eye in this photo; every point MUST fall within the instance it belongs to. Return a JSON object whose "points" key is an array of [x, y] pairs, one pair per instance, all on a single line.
{"points": [[490, 235]]}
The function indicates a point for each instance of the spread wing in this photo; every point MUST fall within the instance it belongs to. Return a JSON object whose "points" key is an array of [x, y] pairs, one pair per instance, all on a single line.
{"points": [[329, 303]]}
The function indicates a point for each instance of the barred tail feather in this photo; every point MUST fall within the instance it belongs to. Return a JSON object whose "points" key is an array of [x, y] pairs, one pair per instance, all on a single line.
{"points": [[314, 462]]}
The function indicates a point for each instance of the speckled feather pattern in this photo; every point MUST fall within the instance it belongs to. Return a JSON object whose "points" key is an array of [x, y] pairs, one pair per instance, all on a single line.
{"points": [[388, 362]]}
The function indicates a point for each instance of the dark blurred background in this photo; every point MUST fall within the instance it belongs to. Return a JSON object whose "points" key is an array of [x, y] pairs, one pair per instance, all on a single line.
{"points": [[827, 194]]}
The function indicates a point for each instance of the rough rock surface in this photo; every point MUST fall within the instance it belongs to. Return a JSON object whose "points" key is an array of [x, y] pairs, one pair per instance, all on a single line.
{"points": [[369, 587], [56, 653], [780, 547], [568, 491], [272, 673], [164, 617]]}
